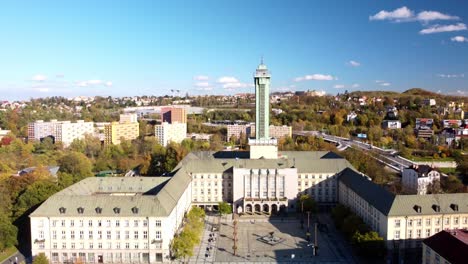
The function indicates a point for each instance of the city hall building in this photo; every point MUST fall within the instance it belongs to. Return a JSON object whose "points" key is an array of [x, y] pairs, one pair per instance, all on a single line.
{"points": [[133, 220]]}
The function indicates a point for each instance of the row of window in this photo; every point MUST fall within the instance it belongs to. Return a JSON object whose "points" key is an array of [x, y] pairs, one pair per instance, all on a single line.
{"points": [[437, 221], [99, 235], [100, 245], [208, 176], [101, 223], [108, 257], [313, 176]]}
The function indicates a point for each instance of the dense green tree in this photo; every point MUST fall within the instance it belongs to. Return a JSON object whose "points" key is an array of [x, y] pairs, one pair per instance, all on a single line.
{"points": [[224, 208], [8, 232], [76, 164], [41, 258], [35, 194]]}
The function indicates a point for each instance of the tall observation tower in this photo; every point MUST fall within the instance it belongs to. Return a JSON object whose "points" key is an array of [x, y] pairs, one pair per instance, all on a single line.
{"points": [[262, 146], [262, 102]]}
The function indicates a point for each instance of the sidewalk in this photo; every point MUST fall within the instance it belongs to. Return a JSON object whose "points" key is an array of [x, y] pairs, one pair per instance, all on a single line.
{"points": [[200, 251]]}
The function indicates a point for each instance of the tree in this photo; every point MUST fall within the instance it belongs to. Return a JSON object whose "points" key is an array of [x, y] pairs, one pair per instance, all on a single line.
{"points": [[76, 164], [369, 244], [224, 208], [8, 232], [41, 258], [35, 194]]}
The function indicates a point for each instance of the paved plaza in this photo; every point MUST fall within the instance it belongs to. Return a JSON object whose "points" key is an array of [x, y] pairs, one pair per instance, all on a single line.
{"points": [[294, 248]]}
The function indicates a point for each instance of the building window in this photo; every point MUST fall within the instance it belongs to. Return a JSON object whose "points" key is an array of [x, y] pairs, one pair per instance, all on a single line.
{"points": [[64, 236], [72, 245], [158, 235], [135, 223], [54, 234], [418, 233], [108, 223], [428, 222], [418, 222], [145, 234], [397, 234], [63, 223], [145, 223], [99, 234], [127, 245], [397, 223], [99, 245], [455, 220], [127, 234], [437, 221], [81, 223], [81, 234], [135, 234], [410, 234], [54, 245], [117, 223], [136, 245], [465, 220], [91, 245], [90, 223], [64, 245], [72, 223], [145, 245], [90, 234], [127, 223], [117, 234], [447, 220], [158, 223], [108, 234]]}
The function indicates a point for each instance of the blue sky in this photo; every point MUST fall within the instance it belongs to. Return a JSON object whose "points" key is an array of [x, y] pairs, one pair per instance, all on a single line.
{"points": [[120, 48]]}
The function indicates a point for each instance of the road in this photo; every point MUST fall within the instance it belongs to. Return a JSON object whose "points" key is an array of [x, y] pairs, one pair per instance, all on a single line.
{"points": [[388, 157], [15, 258]]}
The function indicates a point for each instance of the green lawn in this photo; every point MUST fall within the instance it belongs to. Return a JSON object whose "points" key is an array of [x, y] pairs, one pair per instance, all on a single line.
{"points": [[430, 159], [8, 252]]}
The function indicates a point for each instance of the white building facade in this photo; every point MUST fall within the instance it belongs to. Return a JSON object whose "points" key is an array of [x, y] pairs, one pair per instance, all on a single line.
{"points": [[417, 179], [166, 133], [60, 131]]}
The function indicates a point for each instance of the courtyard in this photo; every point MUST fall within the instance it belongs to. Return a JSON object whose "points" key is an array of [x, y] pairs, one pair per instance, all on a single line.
{"points": [[291, 244]]}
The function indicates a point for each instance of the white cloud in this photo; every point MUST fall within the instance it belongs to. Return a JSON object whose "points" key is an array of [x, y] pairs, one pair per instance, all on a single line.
{"points": [[451, 75], [443, 28], [385, 84], [339, 86], [93, 83], [202, 84], [426, 16], [397, 14], [43, 90], [227, 79], [459, 39], [205, 88], [59, 75], [356, 85], [315, 77], [404, 14], [354, 63], [39, 78], [231, 83], [201, 78]]}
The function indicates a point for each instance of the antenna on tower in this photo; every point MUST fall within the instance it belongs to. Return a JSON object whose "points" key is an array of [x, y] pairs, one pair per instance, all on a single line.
{"points": [[261, 60]]}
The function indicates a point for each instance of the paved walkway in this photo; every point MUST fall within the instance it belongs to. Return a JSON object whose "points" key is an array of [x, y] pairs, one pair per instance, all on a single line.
{"points": [[201, 254]]}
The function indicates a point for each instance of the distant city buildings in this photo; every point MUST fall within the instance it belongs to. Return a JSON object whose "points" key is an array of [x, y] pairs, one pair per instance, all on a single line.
{"points": [[3, 133], [416, 179], [391, 124], [59, 131], [127, 128], [248, 130], [166, 133], [423, 128]]}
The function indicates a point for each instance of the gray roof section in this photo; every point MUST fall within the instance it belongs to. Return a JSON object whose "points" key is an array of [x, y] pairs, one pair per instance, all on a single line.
{"points": [[403, 205], [304, 161], [153, 196], [374, 194]]}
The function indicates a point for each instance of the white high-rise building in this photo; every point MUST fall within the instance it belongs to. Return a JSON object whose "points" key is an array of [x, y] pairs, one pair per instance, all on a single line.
{"points": [[166, 133], [59, 131]]}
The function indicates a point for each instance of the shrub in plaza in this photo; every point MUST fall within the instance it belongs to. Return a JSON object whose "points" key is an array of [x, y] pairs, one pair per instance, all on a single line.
{"points": [[183, 244]]}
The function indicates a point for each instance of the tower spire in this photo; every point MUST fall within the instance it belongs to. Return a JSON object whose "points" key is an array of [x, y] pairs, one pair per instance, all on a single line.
{"points": [[261, 60]]}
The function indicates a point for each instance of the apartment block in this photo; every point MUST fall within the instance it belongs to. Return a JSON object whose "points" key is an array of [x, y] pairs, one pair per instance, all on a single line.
{"points": [[128, 118], [115, 132], [174, 115], [447, 246], [59, 131], [166, 133], [416, 179]]}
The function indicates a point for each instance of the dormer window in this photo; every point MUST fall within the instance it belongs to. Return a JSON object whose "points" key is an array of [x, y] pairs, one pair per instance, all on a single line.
{"points": [[135, 210], [98, 210], [417, 208], [454, 207], [80, 210], [436, 207], [117, 210], [62, 210]]}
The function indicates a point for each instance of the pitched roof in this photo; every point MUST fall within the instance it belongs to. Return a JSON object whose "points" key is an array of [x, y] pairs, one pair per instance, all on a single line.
{"points": [[376, 195], [403, 205], [450, 245], [155, 196], [304, 161]]}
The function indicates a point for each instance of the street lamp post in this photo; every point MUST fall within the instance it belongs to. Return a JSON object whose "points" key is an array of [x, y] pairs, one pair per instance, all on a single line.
{"points": [[308, 230], [302, 213]]}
